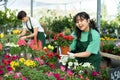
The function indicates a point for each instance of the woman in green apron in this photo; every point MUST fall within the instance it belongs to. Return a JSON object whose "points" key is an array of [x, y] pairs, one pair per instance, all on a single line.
{"points": [[86, 44], [32, 25]]}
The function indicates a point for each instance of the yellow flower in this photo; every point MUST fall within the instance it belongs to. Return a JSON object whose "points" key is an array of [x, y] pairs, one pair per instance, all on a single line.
{"points": [[16, 31], [22, 60], [14, 64], [30, 63], [1, 35], [50, 47]]}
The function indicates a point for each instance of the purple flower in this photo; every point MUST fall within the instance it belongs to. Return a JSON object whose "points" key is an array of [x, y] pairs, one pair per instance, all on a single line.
{"points": [[86, 72], [1, 72], [57, 76], [117, 44], [94, 73]]}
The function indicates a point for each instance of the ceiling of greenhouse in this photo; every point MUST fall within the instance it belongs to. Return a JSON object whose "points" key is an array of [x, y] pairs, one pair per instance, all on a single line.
{"points": [[66, 5]]}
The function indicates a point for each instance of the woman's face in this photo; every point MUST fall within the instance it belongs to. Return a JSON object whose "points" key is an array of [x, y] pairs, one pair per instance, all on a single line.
{"points": [[24, 19], [82, 24]]}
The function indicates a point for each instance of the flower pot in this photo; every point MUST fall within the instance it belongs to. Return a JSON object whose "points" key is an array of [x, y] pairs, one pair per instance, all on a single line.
{"points": [[22, 54], [64, 50], [28, 56]]}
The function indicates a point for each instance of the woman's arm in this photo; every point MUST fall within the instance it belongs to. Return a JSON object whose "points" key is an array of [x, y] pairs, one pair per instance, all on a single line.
{"points": [[82, 54], [23, 33], [33, 34]]}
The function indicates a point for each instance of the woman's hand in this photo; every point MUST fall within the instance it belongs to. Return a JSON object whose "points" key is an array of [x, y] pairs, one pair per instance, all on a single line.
{"points": [[24, 37], [18, 36], [71, 55]]}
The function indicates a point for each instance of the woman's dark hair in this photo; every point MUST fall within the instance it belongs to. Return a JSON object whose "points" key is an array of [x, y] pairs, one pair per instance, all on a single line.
{"points": [[83, 15], [21, 15]]}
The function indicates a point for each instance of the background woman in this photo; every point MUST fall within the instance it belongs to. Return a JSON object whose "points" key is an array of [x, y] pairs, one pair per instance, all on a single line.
{"points": [[32, 25]]}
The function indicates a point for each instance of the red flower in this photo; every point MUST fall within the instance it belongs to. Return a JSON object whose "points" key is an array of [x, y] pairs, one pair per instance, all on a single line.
{"points": [[52, 65], [60, 35], [9, 68], [63, 40], [50, 55], [42, 57], [14, 57], [1, 67]]}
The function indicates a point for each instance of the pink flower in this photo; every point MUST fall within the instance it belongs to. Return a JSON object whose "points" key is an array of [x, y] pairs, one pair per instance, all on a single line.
{"points": [[37, 59], [23, 78], [30, 44], [41, 62], [49, 74], [10, 72], [16, 77], [69, 72], [62, 68], [21, 42]]}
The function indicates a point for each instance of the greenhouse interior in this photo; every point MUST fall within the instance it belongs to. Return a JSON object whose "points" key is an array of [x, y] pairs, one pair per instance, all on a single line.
{"points": [[59, 39]]}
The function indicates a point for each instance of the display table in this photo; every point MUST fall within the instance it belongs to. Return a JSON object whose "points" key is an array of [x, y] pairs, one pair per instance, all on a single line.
{"points": [[111, 56]]}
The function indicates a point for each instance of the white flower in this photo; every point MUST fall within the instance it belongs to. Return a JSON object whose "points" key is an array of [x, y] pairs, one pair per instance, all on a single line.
{"points": [[70, 63], [76, 63], [87, 64], [63, 63], [81, 71], [64, 60], [11, 44]]}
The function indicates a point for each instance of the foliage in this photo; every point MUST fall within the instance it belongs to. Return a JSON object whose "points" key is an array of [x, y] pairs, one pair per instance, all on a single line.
{"points": [[54, 24], [105, 73], [8, 20], [57, 26], [110, 46]]}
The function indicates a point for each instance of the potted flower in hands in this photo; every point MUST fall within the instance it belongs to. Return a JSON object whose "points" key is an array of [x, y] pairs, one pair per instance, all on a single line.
{"points": [[63, 41]]}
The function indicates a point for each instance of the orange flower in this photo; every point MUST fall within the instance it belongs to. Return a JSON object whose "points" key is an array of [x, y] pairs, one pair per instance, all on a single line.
{"points": [[0, 46]]}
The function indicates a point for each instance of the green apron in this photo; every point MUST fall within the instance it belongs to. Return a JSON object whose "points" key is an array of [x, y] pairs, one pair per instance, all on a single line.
{"points": [[40, 35], [94, 59]]}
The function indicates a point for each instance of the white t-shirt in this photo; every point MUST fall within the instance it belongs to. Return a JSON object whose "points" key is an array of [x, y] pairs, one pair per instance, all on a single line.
{"points": [[34, 23]]}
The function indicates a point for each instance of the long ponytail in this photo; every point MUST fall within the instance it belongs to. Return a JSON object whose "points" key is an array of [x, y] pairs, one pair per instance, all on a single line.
{"points": [[92, 25]]}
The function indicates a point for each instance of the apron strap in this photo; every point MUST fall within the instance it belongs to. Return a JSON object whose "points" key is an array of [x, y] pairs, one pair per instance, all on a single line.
{"points": [[30, 25]]}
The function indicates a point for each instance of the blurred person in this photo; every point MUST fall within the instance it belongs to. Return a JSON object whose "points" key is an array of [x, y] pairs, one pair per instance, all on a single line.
{"points": [[32, 25], [86, 44]]}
